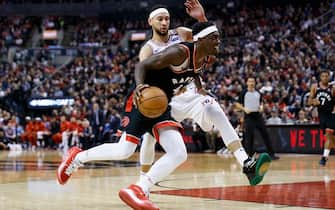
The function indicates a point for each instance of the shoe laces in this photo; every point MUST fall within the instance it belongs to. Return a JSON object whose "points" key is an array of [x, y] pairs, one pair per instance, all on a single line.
{"points": [[250, 163], [140, 193], [73, 166]]}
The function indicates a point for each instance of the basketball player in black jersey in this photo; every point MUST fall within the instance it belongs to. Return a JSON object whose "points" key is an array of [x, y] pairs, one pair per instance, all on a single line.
{"points": [[170, 70], [176, 66], [322, 95]]}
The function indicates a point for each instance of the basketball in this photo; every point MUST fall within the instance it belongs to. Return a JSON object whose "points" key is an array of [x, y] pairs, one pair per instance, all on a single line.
{"points": [[153, 102]]}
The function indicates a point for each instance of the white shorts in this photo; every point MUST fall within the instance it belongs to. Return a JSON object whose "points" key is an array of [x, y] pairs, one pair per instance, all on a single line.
{"points": [[190, 104]]}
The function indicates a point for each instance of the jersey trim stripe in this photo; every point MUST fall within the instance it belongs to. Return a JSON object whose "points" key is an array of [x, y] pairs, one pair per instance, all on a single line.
{"points": [[163, 124], [132, 139], [129, 103]]}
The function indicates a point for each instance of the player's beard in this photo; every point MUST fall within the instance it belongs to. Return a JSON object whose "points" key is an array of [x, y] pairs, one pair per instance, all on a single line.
{"points": [[160, 33]]}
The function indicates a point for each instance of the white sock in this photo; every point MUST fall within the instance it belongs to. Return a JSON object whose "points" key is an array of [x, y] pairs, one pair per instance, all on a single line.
{"points": [[145, 182], [109, 151], [173, 144], [326, 152], [142, 176], [241, 155]]}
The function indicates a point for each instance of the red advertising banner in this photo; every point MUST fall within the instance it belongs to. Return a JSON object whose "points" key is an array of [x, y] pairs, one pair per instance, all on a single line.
{"points": [[308, 139]]}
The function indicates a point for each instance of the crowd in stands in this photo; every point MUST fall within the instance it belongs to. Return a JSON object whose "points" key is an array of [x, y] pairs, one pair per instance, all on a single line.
{"points": [[283, 47], [14, 31]]}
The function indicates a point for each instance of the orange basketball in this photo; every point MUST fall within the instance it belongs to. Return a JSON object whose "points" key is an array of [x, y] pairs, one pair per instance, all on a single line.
{"points": [[153, 102]]}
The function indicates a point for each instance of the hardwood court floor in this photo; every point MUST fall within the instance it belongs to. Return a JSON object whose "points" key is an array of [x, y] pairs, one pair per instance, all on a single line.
{"points": [[204, 182]]}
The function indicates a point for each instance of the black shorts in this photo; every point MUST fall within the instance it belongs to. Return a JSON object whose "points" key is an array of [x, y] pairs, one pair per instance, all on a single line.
{"points": [[330, 124], [325, 120], [135, 124]]}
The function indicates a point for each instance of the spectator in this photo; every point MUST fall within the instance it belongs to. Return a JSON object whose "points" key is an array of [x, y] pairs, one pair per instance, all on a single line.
{"points": [[302, 119], [86, 139], [274, 119], [285, 119]]}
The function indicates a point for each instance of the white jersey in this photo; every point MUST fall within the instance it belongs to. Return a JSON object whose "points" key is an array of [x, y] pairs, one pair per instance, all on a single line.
{"points": [[157, 47]]}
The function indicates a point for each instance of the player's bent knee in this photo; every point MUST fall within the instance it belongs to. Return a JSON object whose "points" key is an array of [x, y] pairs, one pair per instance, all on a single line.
{"points": [[180, 156], [127, 149], [209, 111], [213, 107]]}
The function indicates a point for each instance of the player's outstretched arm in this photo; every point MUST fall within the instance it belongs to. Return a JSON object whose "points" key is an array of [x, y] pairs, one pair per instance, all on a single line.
{"points": [[173, 55]]}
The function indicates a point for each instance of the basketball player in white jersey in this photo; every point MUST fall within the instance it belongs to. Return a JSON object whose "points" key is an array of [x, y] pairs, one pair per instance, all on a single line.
{"points": [[162, 37], [192, 103]]}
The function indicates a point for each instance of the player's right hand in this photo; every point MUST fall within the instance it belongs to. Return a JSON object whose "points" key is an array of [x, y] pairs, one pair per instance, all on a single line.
{"points": [[247, 111], [195, 10], [137, 93]]}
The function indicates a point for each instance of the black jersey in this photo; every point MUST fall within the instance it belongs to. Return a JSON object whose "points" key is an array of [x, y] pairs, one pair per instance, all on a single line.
{"points": [[326, 99], [173, 78]]}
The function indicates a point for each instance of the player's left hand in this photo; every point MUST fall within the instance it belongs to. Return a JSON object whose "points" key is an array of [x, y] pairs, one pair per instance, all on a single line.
{"points": [[195, 10]]}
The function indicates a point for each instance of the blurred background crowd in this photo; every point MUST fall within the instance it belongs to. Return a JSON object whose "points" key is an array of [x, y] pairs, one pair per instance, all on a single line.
{"points": [[92, 60]]}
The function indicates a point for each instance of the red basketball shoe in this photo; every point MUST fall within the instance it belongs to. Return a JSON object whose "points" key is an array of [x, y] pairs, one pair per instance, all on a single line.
{"points": [[68, 166], [134, 197]]}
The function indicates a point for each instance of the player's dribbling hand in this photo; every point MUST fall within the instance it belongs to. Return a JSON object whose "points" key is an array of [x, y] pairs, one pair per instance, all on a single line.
{"points": [[137, 93], [195, 10]]}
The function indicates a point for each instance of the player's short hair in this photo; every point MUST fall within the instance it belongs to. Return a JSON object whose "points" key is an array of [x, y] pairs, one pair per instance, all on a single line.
{"points": [[157, 6]]}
